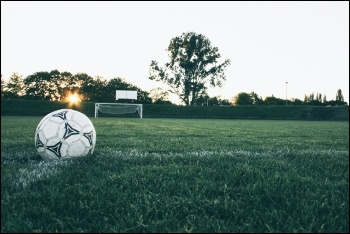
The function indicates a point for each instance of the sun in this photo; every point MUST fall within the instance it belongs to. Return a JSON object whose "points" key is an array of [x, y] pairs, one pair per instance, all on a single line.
{"points": [[74, 99]]}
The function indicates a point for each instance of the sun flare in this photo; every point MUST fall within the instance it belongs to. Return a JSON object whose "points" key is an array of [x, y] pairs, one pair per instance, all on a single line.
{"points": [[74, 98]]}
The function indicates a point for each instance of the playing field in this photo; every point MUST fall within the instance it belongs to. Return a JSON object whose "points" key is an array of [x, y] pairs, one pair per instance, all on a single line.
{"points": [[180, 175]]}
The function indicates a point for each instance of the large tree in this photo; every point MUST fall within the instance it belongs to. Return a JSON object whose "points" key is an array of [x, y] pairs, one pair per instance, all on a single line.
{"points": [[193, 67]]}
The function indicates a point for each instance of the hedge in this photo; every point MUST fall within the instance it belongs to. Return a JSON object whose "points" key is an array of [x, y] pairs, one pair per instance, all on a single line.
{"points": [[41, 108]]}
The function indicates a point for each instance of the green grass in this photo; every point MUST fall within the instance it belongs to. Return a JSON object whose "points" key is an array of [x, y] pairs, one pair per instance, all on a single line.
{"points": [[178, 175]]}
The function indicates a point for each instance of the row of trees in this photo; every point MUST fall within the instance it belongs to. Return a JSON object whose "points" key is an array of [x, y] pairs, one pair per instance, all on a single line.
{"points": [[311, 99], [193, 67], [58, 86]]}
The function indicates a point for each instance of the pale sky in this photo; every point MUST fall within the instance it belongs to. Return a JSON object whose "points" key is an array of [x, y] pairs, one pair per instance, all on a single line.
{"points": [[268, 43]]}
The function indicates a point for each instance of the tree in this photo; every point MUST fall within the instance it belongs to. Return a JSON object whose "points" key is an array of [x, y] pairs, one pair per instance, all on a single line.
{"points": [[243, 99], [224, 102], [339, 97], [296, 101], [324, 99], [65, 84], [256, 99], [203, 100], [15, 86], [273, 101], [310, 100], [37, 85], [54, 84], [87, 87], [319, 97], [143, 96], [193, 65], [43, 85], [213, 101], [159, 96]]}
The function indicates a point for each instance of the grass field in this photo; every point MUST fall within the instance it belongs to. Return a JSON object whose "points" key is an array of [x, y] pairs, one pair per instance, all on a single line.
{"points": [[180, 175]]}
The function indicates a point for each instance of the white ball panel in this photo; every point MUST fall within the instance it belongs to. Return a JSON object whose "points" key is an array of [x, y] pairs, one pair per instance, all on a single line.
{"points": [[76, 149], [50, 129]]}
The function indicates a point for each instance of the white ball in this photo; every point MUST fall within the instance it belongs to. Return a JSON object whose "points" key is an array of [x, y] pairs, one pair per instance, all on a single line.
{"points": [[65, 133]]}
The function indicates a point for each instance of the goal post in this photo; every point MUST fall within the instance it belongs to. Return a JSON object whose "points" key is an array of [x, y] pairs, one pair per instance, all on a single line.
{"points": [[118, 109]]}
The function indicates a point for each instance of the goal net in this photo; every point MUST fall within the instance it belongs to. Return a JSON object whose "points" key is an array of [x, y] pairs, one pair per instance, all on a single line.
{"points": [[118, 109]]}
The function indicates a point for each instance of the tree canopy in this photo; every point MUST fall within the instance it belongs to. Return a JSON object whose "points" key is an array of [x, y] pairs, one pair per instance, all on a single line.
{"points": [[193, 66], [58, 86]]}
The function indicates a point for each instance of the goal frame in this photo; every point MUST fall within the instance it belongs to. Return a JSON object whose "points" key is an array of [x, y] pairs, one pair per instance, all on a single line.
{"points": [[119, 104]]}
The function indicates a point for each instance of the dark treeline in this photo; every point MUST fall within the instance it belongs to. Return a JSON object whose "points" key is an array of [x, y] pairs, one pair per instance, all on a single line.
{"points": [[58, 86], [311, 100]]}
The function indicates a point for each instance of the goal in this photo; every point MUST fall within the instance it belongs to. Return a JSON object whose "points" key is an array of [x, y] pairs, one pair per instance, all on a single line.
{"points": [[118, 109]]}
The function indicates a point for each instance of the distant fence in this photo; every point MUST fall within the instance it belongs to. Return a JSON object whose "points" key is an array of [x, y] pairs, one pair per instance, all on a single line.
{"points": [[41, 108]]}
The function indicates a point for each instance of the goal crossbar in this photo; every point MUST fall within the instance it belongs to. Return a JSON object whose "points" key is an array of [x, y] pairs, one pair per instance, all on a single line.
{"points": [[118, 108]]}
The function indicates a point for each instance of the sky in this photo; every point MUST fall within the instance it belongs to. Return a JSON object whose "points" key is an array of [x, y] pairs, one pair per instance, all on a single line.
{"points": [[304, 43]]}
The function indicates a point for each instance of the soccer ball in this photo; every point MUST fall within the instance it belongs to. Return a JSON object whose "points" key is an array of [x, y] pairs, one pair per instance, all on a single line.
{"points": [[63, 134]]}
